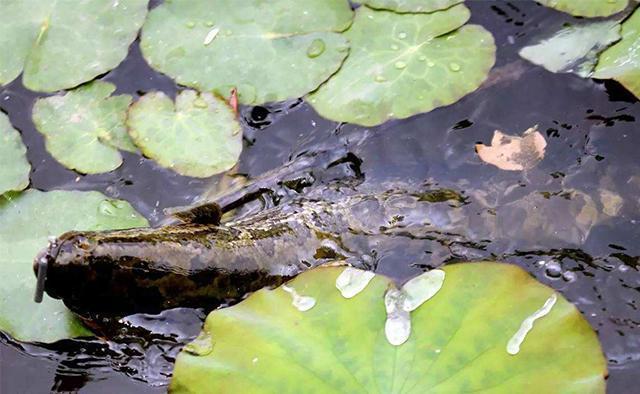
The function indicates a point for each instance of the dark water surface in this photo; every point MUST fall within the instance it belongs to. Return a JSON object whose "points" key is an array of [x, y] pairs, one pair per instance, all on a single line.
{"points": [[593, 137]]}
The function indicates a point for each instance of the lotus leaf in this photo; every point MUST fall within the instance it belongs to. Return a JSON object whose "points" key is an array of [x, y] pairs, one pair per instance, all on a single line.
{"points": [[84, 128], [27, 219], [491, 327], [411, 5], [61, 44], [588, 8], [269, 51], [14, 167], [404, 64], [199, 136], [622, 61], [574, 48]]}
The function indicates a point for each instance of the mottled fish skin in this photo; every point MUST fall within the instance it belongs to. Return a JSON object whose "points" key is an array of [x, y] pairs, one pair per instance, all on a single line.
{"points": [[204, 265]]}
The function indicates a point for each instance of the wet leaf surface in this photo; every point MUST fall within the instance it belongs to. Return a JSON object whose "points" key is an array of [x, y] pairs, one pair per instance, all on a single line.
{"points": [[573, 48], [513, 153], [85, 127], [404, 64], [54, 56], [14, 167], [458, 340], [622, 61], [271, 52], [411, 5], [27, 220], [587, 8], [198, 136]]}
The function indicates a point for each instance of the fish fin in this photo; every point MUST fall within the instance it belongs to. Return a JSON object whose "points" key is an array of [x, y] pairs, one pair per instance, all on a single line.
{"points": [[207, 213]]}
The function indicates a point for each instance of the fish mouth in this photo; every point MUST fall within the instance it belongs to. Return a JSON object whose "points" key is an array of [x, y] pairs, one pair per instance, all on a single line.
{"points": [[40, 267]]}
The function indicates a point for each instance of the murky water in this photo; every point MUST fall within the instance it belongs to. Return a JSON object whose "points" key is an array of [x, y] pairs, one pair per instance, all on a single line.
{"points": [[591, 161]]}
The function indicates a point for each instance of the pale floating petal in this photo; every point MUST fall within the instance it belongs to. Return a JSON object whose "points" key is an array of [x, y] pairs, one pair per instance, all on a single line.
{"points": [[513, 346], [352, 281], [421, 288], [513, 153]]}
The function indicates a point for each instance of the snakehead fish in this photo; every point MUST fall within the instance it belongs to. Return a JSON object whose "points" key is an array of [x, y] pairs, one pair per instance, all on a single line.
{"points": [[202, 263]]}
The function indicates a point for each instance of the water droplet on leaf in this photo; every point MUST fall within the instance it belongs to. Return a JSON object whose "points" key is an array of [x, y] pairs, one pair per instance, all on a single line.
{"points": [[400, 65], [454, 67], [316, 48], [352, 281]]}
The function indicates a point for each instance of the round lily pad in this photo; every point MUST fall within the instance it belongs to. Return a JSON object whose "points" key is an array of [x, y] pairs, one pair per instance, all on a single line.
{"points": [[269, 51], [27, 220], [404, 64], [587, 8], [61, 44], [199, 136], [622, 61], [488, 327], [14, 167], [84, 128], [411, 5]]}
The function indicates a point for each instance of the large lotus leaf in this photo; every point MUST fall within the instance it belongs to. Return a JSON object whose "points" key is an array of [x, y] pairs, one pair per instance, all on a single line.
{"points": [[199, 136], [411, 5], [461, 340], [84, 128], [14, 167], [588, 8], [573, 49], [622, 61], [269, 51], [61, 44], [404, 64], [27, 220]]}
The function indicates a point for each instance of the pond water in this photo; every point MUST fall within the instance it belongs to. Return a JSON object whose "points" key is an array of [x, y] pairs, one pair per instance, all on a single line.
{"points": [[592, 136]]}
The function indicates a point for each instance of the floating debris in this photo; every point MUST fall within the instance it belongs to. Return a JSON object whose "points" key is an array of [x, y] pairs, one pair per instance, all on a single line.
{"points": [[513, 346], [352, 281], [513, 153], [421, 288], [397, 328], [211, 35], [301, 303]]}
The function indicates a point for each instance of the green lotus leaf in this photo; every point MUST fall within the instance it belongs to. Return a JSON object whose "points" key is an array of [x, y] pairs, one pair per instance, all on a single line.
{"points": [[27, 220], [85, 127], [622, 61], [573, 49], [199, 136], [269, 51], [14, 166], [472, 335], [411, 5], [61, 44], [587, 8], [404, 64]]}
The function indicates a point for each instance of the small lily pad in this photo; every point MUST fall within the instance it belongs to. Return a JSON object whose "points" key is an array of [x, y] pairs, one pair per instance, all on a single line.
{"points": [[199, 136], [404, 64], [27, 220], [587, 8], [84, 128], [14, 167], [489, 327], [411, 5], [573, 49], [269, 51], [622, 61], [61, 44]]}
